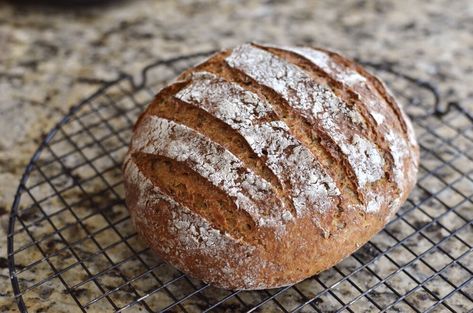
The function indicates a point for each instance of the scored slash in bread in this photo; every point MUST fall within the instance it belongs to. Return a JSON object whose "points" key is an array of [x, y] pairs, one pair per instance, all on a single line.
{"points": [[265, 165]]}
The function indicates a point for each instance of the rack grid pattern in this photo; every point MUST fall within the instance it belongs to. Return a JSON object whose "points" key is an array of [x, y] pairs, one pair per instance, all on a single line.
{"points": [[70, 234]]}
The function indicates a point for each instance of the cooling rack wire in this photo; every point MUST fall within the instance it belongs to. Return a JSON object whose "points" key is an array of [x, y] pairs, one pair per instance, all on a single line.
{"points": [[70, 231]]}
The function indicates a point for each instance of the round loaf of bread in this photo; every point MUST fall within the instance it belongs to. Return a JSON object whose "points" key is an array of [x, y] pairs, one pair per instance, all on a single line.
{"points": [[265, 165]]}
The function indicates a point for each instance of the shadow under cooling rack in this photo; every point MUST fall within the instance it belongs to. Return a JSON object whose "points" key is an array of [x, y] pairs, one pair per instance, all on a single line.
{"points": [[71, 244]]}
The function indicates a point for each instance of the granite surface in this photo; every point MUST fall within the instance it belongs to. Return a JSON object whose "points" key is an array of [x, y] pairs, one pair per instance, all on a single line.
{"points": [[52, 57]]}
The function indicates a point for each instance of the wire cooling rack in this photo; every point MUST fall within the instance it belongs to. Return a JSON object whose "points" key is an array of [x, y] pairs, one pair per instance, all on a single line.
{"points": [[71, 246]]}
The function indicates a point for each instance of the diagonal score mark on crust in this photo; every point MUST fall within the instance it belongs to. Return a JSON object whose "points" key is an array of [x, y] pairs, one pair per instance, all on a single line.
{"points": [[181, 234], [343, 84], [191, 115], [250, 192], [315, 103], [383, 120], [252, 117], [318, 143], [183, 185], [402, 147], [377, 86], [310, 135]]}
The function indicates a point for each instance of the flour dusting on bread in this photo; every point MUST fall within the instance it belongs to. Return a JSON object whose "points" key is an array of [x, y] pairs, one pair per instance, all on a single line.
{"points": [[315, 102], [376, 105], [310, 186], [306, 156], [192, 233], [176, 141]]}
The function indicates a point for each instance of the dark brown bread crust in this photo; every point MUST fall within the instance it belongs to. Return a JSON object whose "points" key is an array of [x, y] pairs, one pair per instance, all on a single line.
{"points": [[212, 192]]}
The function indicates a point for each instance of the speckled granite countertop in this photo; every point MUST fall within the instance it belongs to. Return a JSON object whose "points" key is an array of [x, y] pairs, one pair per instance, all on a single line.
{"points": [[53, 57]]}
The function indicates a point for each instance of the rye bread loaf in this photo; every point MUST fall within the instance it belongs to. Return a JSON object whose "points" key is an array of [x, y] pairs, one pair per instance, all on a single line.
{"points": [[265, 165]]}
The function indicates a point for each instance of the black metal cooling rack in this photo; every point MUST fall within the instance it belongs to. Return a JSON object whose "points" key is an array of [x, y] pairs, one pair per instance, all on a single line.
{"points": [[71, 243]]}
